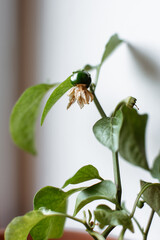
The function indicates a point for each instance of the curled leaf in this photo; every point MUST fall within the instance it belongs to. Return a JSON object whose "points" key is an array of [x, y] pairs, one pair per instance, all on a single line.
{"points": [[107, 216], [103, 190]]}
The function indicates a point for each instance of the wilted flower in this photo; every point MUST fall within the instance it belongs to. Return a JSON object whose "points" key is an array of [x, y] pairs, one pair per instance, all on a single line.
{"points": [[81, 94], [131, 102]]}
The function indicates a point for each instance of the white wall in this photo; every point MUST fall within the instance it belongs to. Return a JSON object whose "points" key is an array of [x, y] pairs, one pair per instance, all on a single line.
{"points": [[74, 33]]}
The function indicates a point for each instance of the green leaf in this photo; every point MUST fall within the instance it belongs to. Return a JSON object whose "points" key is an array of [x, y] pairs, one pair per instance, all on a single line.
{"points": [[155, 171], [107, 130], [107, 216], [56, 200], [85, 173], [103, 190], [56, 95], [24, 116], [20, 227], [132, 137], [111, 45], [152, 196], [89, 67], [96, 235]]}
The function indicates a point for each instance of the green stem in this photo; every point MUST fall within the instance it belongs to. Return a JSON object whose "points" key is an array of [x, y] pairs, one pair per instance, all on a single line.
{"points": [[138, 197], [107, 231], [88, 228], [138, 225], [122, 234], [115, 164], [148, 225], [100, 109], [117, 179], [115, 154], [78, 220]]}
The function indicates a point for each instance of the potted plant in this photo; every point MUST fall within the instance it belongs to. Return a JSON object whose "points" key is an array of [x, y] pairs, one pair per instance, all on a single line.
{"points": [[123, 132]]}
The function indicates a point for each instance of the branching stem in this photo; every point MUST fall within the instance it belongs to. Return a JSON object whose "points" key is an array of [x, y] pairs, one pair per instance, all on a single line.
{"points": [[107, 231], [148, 225]]}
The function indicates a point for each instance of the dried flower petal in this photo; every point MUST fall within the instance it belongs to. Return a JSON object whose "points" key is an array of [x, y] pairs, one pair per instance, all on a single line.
{"points": [[81, 94]]}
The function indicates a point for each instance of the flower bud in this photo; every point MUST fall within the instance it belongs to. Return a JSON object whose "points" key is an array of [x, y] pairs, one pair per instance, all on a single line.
{"points": [[140, 204], [131, 102]]}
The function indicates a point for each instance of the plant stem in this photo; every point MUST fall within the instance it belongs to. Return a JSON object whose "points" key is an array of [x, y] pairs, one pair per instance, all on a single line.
{"points": [[107, 231], [116, 169], [117, 179], [138, 224], [100, 109], [138, 197], [148, 225], [122, 234], [115, 154], [83, 222]]}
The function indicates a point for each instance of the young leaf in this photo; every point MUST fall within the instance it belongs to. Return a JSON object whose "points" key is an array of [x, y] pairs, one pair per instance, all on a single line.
{"points": [[85, 173], [155, 171], [111, 45], [152, 196], [24, 115], [56, 95], [107, 130], [20, 227], [103, 190], [132, 137], [107, 216]]}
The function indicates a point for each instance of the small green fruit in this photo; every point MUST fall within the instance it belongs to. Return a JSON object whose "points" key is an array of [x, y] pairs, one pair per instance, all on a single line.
{"points": [[81, 77]]}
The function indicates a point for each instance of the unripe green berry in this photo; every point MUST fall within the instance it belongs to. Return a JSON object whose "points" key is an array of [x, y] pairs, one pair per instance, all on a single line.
{"points": [[81, 77]]}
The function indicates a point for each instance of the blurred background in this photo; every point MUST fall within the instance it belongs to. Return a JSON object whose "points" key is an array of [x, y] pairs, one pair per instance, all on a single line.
{"points": [[44, 41]]}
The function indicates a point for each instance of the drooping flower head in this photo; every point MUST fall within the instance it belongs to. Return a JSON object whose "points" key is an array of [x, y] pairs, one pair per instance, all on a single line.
{"points": [[80, 80]]}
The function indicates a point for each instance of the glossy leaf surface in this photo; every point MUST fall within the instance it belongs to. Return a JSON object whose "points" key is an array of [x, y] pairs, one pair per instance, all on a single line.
{"points": [[107, 216], [107, 130], [152, 196], [103, 190], [55, 96], [132, 137], [56, 200], [85, 173], [19, 227], [155, 171], [24, 115]]}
